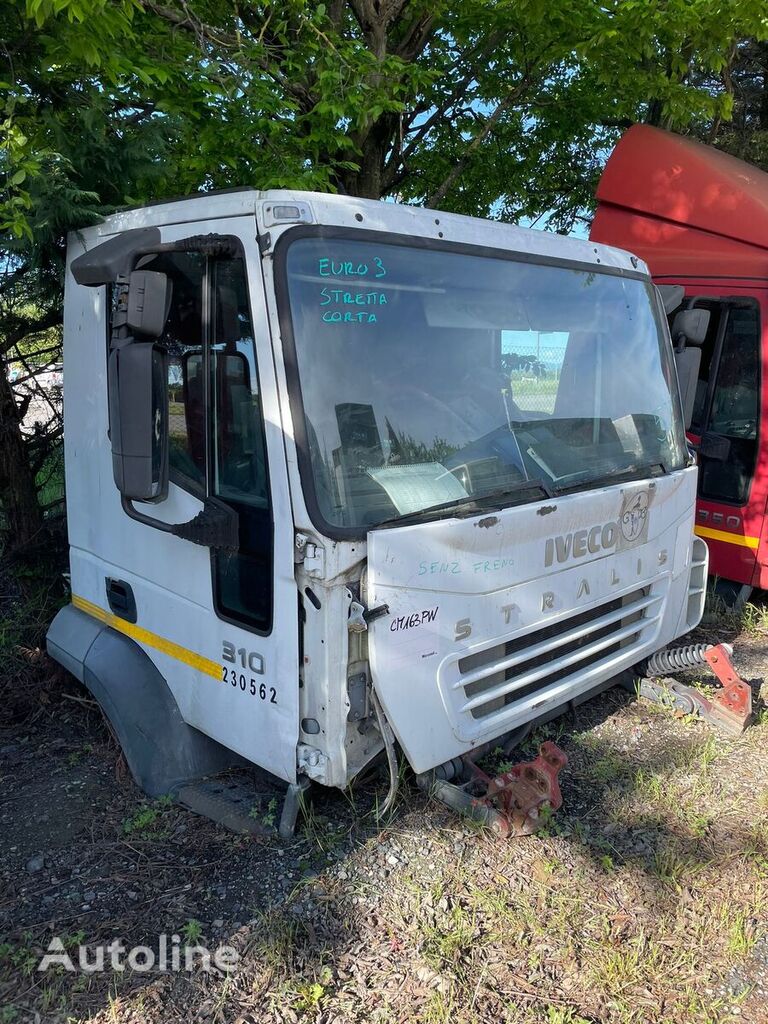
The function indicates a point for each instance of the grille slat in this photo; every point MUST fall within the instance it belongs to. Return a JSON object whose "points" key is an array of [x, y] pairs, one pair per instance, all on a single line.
{"points": [[550, 644], [565, 661], [495, 679]]}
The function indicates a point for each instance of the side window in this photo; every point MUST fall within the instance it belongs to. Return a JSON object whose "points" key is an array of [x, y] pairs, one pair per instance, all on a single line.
{"points": [[183, 342], [216, 427], [238, 438], [243, 580], [735, 400]]}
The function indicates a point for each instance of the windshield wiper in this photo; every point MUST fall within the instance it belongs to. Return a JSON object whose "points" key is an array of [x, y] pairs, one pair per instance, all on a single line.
{"points": [[462, 507], [625, 472]]}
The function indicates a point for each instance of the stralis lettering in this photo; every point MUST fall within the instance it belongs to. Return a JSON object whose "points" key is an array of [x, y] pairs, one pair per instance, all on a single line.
{"points": [[581, 543], [411, 621]]}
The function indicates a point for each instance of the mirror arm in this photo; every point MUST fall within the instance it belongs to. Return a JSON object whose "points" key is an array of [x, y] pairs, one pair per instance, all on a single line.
{"points": [[214, 526]]}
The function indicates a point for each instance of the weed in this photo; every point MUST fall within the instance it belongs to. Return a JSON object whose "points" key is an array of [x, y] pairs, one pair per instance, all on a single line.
{"points": [[268, 818], [754, 618], [741, 935], [564, 1015], [309, 997], [436, 1010], [452, 939], [141, 820], [708, 753], [605, 769], [321, 831], [669, 865], [22, 957], [192, 932]]}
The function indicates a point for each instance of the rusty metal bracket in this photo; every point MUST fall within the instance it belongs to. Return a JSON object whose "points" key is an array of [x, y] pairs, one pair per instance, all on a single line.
{"points": [[526, 788], [731, 706], [511, 803], [729, 709]]}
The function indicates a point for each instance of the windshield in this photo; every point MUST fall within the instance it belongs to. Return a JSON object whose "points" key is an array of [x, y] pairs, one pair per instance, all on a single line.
{"points": [[432, 377]]}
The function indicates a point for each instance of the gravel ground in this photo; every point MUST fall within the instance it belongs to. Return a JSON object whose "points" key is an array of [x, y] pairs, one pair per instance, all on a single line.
{"points": [[644, 899]]}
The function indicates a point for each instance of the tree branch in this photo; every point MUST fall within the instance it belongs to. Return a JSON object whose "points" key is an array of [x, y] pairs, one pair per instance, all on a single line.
{"points": [[225, 40], [51, 319], [437, 197]]}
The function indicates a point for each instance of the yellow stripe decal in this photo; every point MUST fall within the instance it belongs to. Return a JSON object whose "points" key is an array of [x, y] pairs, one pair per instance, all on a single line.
{"points": [[727, 538], [210, 668]]}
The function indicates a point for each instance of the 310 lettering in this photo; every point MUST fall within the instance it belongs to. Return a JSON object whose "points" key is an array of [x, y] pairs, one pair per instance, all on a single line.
{"points": [[252, 661]]}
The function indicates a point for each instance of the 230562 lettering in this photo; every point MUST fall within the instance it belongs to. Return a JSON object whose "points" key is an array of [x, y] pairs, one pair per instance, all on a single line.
{"points": [[254, 662], [247, 684]]}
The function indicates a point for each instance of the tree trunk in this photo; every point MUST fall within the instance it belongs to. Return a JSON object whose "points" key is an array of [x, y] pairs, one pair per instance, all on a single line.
{"points": [[368, 182], [23, 518]]}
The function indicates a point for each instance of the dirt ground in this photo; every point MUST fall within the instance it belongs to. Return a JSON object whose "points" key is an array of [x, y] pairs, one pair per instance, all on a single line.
{"points": [[643, 899]]}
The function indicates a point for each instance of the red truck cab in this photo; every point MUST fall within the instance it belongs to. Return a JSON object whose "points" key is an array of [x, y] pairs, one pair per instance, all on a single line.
{"points": [[699, 219]]}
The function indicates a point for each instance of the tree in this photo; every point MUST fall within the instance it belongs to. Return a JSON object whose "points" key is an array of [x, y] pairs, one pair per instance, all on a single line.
{"points": [[70, 151], [503, 108]]}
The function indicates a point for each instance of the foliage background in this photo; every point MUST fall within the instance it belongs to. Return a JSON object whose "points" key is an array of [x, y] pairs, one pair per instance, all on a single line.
{"points": [[501, 108]]}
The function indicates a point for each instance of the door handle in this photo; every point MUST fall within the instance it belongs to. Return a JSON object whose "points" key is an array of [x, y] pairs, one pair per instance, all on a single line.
{"points": [[121, 599]]}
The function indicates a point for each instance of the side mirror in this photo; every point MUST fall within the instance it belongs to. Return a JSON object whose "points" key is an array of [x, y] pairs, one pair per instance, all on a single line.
{"points": [[690, 326], [689, 329], [671, 295], [688, 362], [149, 301], [138, 421]]}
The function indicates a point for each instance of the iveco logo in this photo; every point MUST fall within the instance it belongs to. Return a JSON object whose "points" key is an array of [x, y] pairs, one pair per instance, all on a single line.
{"points": [[581, 543], [634, 515], [630, 529]]}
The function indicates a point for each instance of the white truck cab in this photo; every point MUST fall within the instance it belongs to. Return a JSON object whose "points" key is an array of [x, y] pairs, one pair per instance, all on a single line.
{"points": [[336, 466]]}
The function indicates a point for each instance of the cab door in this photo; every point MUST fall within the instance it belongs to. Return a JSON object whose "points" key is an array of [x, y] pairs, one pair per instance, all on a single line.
{"points": [[725, 427], [222, 381], [221, 626]]}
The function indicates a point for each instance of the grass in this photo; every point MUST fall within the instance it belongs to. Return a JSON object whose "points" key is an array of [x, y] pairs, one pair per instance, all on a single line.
{"points": [[636, 904], [534, 393], [567, 927], [150, 820]]}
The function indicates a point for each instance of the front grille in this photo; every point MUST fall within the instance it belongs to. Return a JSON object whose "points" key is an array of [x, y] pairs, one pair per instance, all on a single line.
{"points": [[503, 675]]}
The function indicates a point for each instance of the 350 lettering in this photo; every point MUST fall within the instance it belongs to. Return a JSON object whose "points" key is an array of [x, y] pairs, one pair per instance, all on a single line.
{"points": [[248, 684]]}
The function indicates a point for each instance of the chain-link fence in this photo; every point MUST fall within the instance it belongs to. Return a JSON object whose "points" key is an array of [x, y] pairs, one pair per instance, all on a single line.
{"points": [[533, 362]]}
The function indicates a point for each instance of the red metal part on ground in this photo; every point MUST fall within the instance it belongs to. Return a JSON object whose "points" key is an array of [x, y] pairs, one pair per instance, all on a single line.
{"points": [[729, 709], [519, 794], [733, 704]]}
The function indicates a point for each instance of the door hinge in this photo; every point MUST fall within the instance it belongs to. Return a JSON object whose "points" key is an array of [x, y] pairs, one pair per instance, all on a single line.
{"points": [[310, 761], [310, 555]]}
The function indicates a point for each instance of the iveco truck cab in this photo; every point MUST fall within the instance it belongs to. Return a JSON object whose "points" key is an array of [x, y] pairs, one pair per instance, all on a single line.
{"points": [[343, 474], [699, 217]]}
